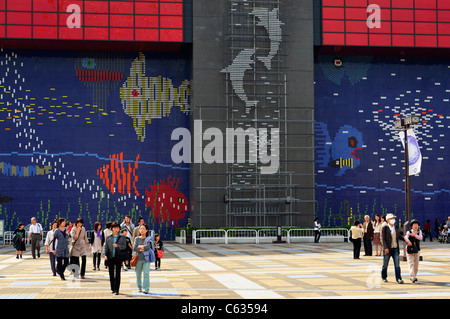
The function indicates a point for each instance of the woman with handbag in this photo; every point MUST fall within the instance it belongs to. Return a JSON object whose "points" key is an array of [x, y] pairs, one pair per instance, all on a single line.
{"points": [[19, 240], [159, 250], [144, 246], [413, 238], [79, 246]]}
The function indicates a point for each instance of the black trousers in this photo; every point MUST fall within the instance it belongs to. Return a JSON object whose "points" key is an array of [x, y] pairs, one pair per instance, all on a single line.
{"points": [[316, 236], [367, 246], [114, 268], [426, 234], [61, 265], [97, 257], [75, 260], [356, 247]]}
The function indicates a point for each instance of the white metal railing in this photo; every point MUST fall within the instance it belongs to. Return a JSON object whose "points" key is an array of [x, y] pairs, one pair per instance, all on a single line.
{"points": [[326, 234], [271, 234], [230, 236], [235, 236], [210, 236], [183, 236]]}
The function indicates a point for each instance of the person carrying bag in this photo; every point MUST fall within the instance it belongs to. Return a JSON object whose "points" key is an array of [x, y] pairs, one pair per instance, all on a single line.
{"points": [[413, 238], [144, 246]]}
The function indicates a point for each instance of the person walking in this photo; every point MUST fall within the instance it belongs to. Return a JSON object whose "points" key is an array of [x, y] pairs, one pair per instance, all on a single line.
{"points": [[48, 242], [368, 235], [383, 224], [159, 246], [136, 230], [19, 240], [96, 244], [107, 233], [413, 238], [128, 250], [437, 229], [79, 246], [376, 234], [60, 247], [391, 236], [115, 246], [427, 231], [144, 246], [35, 237], [128, 225], [317, 227], [357, 233]]}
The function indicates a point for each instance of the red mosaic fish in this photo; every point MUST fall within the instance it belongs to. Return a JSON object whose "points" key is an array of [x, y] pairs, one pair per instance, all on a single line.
{"points": [[166, 201], [117, 177]]}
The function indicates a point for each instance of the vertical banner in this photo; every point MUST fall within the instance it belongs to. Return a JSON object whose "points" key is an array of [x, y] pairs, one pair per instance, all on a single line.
{"points": [[415, 157]]}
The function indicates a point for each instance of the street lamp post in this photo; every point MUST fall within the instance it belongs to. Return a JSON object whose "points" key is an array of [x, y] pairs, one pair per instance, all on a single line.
{"points": [[404, 125]]}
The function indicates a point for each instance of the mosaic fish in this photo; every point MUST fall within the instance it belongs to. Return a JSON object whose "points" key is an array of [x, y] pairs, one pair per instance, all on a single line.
{"points": [[147, 98], [119, 177], [24, 171], [166, 201], [236, 70], [271, 22], [342, 153]]}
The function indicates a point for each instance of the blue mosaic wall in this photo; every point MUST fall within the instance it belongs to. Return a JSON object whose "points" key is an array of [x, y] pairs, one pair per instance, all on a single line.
{"points": [[359, 155], [88, 134]]}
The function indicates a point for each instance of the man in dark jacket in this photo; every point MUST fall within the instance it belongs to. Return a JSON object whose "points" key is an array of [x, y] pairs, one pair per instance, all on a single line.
{"points": [[115, 246], [368, 235], [391, 235]]}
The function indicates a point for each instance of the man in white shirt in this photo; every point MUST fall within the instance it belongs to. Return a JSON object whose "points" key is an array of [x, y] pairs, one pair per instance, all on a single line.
{"points": [[35, 237]]}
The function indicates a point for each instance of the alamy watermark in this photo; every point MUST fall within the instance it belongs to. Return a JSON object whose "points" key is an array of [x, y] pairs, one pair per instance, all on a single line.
{"points": [[230, 147]]}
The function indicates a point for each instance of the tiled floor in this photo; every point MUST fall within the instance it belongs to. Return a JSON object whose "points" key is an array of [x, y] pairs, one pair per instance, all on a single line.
{"points": [[280, 271]]}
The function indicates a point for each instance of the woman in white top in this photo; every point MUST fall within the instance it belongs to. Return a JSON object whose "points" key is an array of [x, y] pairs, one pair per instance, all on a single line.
{"points": [[97, 243], [317, 227], [377, 234], [48, 241]]}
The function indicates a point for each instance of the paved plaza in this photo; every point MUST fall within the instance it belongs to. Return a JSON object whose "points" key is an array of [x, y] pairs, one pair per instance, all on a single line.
{"points": [[272, 271]]}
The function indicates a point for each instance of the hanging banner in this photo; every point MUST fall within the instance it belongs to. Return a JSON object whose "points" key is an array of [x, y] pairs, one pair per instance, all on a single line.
{"points": [[415, 157]]}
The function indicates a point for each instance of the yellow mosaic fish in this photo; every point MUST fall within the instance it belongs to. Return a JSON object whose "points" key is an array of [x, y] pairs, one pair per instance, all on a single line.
{"points": [[146, 98]]}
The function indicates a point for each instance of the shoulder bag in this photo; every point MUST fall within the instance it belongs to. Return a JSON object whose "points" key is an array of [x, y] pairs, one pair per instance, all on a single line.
{"points": [[133, 261], [413, 249], [73, 244]]}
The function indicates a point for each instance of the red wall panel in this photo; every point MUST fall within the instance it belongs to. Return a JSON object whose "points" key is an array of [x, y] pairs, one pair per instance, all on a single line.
{"points": [[422, 23]]}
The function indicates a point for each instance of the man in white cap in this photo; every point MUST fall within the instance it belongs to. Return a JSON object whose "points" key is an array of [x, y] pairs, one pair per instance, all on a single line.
{"points": [[391, 235]]}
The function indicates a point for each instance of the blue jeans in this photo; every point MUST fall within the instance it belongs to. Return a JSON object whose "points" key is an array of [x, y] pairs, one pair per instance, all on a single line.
{"points": [[395, 254], [143, 266]]}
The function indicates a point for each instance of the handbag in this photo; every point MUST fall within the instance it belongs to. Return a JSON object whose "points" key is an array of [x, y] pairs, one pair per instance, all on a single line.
{"points": [[134, 260], [159, 252], [73, 244], [413, 249]]}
